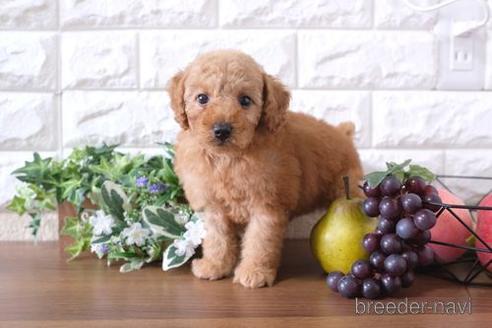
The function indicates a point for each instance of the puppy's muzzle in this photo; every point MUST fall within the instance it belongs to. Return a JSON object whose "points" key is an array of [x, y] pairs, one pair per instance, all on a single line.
{"points": [[222, 131]]}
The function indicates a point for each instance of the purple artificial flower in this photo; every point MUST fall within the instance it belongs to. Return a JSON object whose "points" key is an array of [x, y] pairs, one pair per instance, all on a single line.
{"points": [[157, 188], [104, 248], [100, 249], [141, 182]]}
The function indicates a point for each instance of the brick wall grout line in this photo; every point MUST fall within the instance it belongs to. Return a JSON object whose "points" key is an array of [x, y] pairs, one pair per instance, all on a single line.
{"points": [[371, 121], [373, 15], [59, 92], [137, 59], [352, 89]]}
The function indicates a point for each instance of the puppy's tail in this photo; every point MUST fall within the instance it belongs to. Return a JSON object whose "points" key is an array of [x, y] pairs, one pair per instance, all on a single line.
{"points": [[347, 129]]}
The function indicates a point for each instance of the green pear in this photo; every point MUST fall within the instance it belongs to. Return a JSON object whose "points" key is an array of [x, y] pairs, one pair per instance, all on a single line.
{"points": [[336, 240]]}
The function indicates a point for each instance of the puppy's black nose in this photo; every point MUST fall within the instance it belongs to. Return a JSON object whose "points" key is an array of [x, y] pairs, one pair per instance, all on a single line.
{"points": [[222, 131]]}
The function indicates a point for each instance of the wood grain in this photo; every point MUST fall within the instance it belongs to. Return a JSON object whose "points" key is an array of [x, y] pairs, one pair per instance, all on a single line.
{"points": [[38, 288]]}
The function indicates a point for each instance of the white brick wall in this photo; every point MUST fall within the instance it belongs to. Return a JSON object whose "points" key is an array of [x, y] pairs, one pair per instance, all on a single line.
{"points": [[391, 14], [366, 59], [74, 72]]}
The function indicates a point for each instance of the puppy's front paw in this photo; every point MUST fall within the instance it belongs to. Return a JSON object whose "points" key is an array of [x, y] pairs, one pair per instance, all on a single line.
{"points": [[253, 276], [205, 269]]}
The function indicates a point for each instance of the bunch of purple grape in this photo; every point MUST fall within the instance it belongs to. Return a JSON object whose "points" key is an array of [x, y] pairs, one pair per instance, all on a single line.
{"points": [[406, 214]]}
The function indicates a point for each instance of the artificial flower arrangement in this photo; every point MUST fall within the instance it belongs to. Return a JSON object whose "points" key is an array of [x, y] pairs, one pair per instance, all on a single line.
{"points": [[140, 213]]}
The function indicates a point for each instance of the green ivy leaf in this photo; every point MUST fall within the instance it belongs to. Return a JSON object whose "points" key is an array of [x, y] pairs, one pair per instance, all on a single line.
{"points": [[95, 195], [393, 167], [172, 260], [154, 251], [35, 223], [390, 165], [81, 232], [122, 254], [75, 195], [39, 171], [71, 227], [75, 249], [399, 174], [401, 171], [375, 178], [424, 173], [398, 170], [168, 148], [133, 265], [162, 222], [167, 173], [114, 199], [17, 205]]}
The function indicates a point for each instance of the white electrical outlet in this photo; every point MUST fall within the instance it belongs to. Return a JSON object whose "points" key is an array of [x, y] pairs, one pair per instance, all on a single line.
{"points": [[461, 53]]}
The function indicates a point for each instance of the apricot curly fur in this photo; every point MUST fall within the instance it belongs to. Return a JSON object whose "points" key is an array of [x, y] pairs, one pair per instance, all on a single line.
{"points": [[276, 164]]}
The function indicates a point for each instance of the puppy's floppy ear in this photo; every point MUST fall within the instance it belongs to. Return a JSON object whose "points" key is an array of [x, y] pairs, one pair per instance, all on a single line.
{"points": [[276, 99], [175, 88]]}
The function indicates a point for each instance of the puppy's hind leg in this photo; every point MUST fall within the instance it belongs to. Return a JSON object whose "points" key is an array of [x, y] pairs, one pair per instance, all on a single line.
{"points": [[261, 249], [220, 248]]}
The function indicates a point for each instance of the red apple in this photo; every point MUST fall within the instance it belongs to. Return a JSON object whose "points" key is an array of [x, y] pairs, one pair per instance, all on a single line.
{"points": [[449, 230], [484, 230]]}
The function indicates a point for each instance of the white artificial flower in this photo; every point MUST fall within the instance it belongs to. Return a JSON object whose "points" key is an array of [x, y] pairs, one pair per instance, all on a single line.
{"points": [[195, 232], [184, 247], [181, 217], [135, 234], [100, 249], [101, 223]]}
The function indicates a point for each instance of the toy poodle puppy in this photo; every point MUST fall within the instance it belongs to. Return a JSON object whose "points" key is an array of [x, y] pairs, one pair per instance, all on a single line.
{"points": [[249, 165]]}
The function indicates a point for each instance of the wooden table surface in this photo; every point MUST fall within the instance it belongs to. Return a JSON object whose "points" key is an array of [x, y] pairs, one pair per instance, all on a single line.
{"points": [[38, 288]]}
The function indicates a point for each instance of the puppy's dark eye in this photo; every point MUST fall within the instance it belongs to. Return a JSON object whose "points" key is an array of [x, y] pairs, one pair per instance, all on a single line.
{"points": [[202, 99], [245, 101]]}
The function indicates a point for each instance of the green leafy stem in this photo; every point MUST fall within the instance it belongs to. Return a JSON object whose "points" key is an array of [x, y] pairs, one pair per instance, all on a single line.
{"points": [[402, 171]]}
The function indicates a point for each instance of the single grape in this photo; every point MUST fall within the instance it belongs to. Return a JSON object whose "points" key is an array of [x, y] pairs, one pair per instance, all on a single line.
{"points": [[386, 226], [406, 229], [391, 244], [395, 265], [426, 256], [361, 269], [371, 206], [431, 202], [371, 289], [422, 238], [411, 203], [424, 219], [377, 260], [371, 242], [371, 191], [390, 186], [332, 280], [348, 286], [429, 189], [415, 185], [390, 208], [412, 259], [407, 279], [390, 284]]}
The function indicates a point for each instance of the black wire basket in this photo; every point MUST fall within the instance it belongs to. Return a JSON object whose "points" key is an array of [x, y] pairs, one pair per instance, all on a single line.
{"points": [[467, 269]]}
